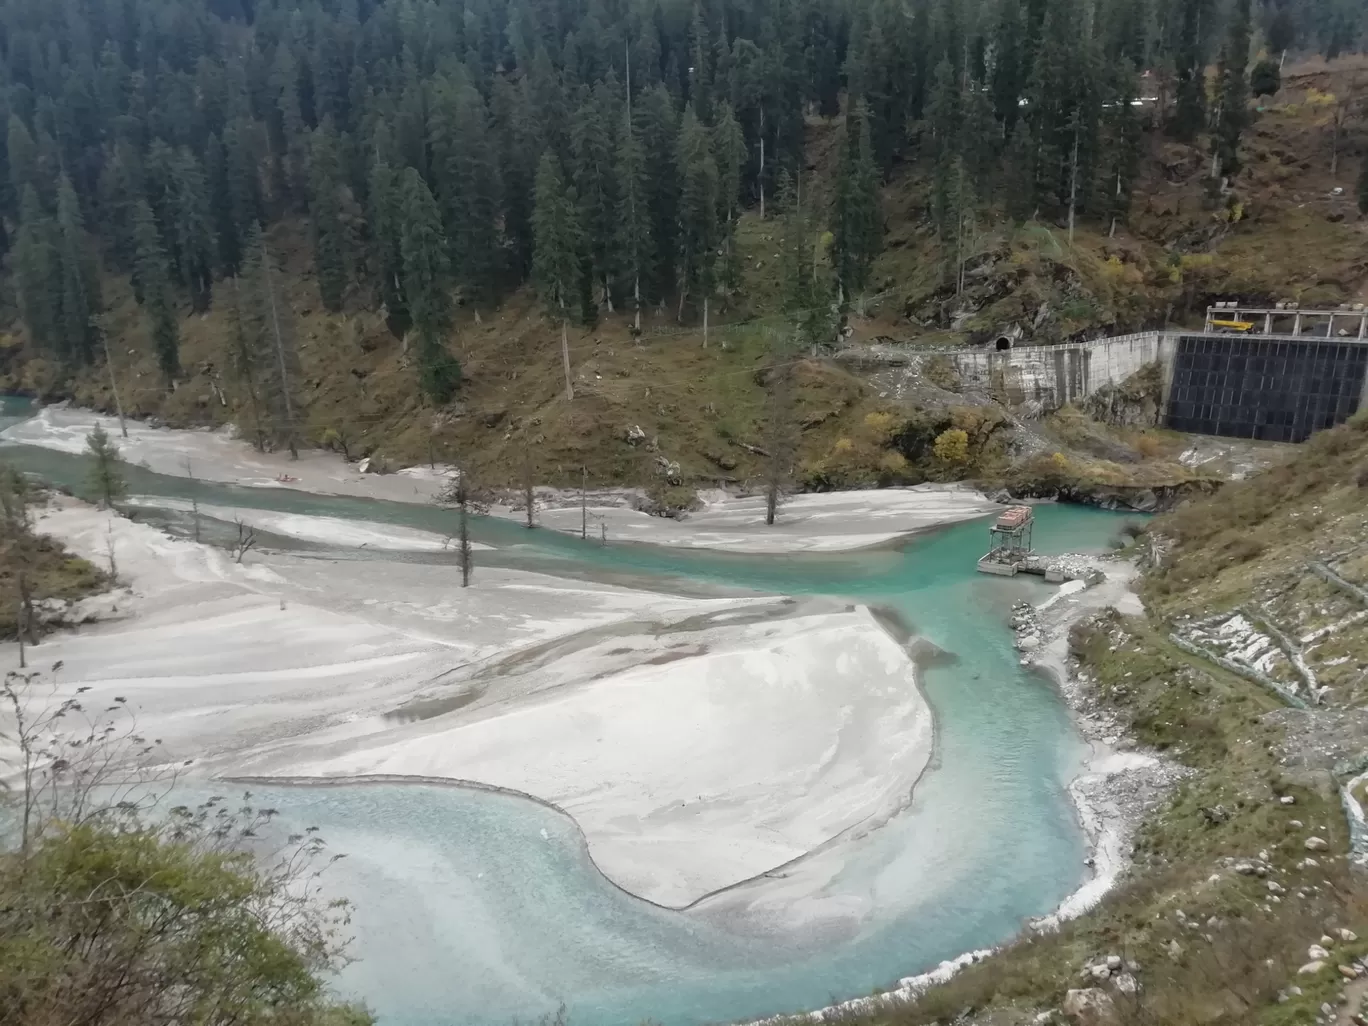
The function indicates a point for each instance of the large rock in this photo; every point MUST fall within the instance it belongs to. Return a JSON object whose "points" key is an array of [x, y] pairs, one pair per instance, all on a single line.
{"points": [[1311, 968], [1317, 844], [1088, 1006]]}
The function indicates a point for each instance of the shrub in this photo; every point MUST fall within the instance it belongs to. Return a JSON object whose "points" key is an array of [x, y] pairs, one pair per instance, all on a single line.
{"points": [[952, 446]]}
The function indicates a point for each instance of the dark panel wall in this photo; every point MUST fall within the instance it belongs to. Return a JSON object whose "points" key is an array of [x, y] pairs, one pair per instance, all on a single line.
{"points": [[1279, 391]]}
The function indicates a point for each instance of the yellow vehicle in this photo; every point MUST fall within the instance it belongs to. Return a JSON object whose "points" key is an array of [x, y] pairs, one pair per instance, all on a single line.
{"points": [[1238, 327]]}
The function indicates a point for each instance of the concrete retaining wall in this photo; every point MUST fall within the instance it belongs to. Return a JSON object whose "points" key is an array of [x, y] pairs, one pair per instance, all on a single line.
{"points": [[1054, 375]]}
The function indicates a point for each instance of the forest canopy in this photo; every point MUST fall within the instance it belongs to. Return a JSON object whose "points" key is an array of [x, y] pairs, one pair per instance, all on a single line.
{"points": [[447, 153]]}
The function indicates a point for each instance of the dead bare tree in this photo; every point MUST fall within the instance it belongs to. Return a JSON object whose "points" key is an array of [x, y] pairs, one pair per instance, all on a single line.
{"points": [[194, 497], [246, 540], [584, 503], [109, 551], [25, 627], [529, 489], [780, 442], [469, 500]]}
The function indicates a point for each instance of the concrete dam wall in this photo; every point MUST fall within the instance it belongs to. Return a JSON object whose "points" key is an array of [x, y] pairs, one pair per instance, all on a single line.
{"points": [[1272, 388]]}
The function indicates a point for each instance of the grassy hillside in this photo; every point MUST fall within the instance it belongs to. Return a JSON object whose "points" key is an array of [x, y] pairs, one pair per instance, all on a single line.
{"points": [[1280, 233]]}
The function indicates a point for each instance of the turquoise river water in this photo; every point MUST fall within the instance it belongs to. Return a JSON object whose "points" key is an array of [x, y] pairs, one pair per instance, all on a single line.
{"points": [[482, 908]]}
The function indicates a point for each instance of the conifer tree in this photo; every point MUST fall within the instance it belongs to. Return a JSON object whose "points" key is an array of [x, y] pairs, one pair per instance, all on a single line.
{"points": [[267, 346], [331, 261], [857, 226], [556, 265], [1233, 93], [427, 284], [595, 182], [22, 155], [184, 211], [387, 259], [1189, 111], [1121, 137], [465, 176], [152, 277], [38, 272], [697, 213], [635, 236], [729, 150], [79, 298], [1020, 182], [659, 131], [106, 477]]}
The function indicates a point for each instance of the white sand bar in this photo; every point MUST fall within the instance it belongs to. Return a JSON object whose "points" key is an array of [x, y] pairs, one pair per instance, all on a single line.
{"points": [[825, 522], [698, 742]]}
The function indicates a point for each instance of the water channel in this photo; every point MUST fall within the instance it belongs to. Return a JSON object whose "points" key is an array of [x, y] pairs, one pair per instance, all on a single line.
{"points": [[481, 908]]}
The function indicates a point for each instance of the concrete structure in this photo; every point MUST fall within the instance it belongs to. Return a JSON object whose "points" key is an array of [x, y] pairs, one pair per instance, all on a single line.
{"points": [[1272, 387], [1053, 376], [1009, 545], [1349, 320]]}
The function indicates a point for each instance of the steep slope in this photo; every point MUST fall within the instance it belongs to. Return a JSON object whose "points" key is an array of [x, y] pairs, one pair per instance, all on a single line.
{"points": [[704, 413]]}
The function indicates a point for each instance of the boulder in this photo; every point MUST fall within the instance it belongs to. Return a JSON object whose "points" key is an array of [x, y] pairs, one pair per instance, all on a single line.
{"points": [[1316, 844], [1088, 1006], [1126, 983], [1348, 936], [1317, 953], [1311, 968]]}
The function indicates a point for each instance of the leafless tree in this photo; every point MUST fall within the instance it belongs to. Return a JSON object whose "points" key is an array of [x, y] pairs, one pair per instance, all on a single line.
{"points": [[194, 497], [246, 540], [780, 436], [469, 500], [109, 551], [529, 489]]}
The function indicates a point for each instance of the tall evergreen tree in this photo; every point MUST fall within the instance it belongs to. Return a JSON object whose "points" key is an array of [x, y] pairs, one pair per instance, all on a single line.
{"points": [[857, 226], [465, 175], [152, 278], [729, 150], [1232, 113], [331, 258], [596, 187], [427, 287], [1189, 110], [80, 296], [635, 237], [659, 131], [38, 271], [267, 350], [556, 268], [698, 233], [387, 258]]}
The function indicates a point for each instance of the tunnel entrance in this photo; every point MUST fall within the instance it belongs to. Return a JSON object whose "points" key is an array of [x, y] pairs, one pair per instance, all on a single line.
{"points": [[1003, 343]]}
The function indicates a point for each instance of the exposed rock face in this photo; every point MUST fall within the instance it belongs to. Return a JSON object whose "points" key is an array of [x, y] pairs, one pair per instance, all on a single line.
{"points": [[1089, 1006]]}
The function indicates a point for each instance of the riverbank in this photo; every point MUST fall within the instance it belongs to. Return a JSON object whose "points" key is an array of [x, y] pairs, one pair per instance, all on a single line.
{"points": [[815, 522]]}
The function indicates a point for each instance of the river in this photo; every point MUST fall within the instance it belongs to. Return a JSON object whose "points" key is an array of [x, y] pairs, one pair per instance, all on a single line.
{"points": [[481, 908]]}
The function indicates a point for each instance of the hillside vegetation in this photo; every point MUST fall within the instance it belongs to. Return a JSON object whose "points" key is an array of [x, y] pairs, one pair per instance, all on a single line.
{"points": [[413, 231]]}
